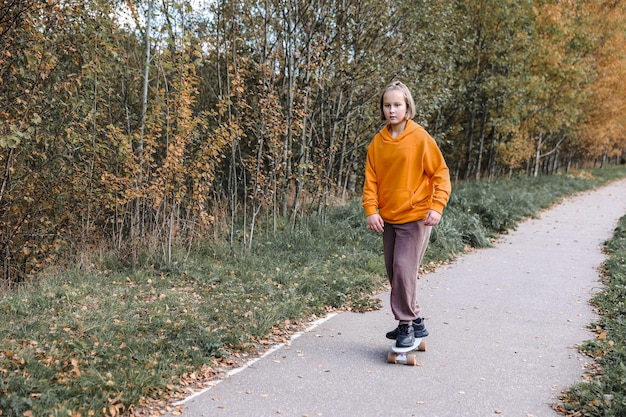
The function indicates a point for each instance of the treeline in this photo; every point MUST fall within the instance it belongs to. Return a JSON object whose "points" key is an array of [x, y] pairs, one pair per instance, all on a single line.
{"points": [[147, 126]]}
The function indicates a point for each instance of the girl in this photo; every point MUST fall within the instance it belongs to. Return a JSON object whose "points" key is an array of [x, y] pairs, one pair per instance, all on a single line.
{"points": [[407, 186]]}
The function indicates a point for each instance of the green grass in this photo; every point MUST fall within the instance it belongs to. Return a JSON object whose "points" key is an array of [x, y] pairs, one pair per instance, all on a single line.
{"points": [[604, 392], [103, 342]]}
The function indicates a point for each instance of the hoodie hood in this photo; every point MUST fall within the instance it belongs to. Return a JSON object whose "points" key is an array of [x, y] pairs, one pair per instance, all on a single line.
{"points": [[410, 127]]}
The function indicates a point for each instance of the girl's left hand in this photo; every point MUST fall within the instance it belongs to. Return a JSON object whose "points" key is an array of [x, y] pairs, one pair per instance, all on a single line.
{"points": [[432, 218]]}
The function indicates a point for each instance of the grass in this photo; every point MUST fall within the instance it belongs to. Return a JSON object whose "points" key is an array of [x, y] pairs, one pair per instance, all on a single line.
{"points": [[112, 341], [604, 392]]}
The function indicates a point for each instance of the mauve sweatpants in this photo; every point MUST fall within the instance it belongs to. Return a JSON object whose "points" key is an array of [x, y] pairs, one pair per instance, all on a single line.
{"points": [[404, 246]]}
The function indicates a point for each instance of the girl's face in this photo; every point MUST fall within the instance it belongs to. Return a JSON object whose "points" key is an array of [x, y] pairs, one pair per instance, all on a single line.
{"points": [[394, 107]]}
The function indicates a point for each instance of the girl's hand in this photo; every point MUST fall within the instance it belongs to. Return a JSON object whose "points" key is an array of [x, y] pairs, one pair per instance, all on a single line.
{"points": [[375, 223], [432, 218]]}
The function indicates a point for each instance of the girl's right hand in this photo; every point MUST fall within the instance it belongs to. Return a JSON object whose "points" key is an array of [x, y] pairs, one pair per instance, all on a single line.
{"points": [[375, 223]]}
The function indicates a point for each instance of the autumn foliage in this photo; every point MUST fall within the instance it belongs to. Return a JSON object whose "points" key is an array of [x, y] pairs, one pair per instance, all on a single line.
{"points": [[143, 126]]}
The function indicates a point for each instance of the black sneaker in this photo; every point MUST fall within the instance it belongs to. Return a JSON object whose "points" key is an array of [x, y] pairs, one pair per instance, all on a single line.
{"points": [[418, 327], [406, 336]]}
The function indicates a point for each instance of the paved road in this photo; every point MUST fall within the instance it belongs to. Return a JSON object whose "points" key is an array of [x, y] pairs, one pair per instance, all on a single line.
{"points": [[504, 323]]}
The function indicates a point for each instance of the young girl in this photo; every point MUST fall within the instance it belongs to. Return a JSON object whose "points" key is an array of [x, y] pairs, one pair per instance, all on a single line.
{"points": [[407, 186]]}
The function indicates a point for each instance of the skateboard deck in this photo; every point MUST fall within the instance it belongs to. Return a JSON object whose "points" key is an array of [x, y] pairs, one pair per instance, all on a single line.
{"points": [[404, 355]]}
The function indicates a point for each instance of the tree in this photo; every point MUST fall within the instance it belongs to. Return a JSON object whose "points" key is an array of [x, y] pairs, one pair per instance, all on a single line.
{"points": [[602, 130], [154, 131]]}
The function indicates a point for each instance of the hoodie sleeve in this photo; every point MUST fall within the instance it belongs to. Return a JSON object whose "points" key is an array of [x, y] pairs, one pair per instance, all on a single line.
{"points": [[437, 170], [370, 186]]}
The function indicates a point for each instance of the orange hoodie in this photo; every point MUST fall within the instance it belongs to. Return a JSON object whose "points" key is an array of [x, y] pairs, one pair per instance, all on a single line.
{"points": [[405, 176]]}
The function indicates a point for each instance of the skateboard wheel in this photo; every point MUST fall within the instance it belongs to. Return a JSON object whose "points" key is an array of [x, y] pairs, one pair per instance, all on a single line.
{"points": [[392, 357], [411, 359], [422, 346]]}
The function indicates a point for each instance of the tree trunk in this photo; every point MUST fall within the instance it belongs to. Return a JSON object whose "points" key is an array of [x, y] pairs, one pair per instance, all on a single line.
{"points": [[470, 142], [538, 155], [481, 143]]}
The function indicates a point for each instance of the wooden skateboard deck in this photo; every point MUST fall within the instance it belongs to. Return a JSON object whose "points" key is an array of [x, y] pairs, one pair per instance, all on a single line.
{"points": [[404, 355]]}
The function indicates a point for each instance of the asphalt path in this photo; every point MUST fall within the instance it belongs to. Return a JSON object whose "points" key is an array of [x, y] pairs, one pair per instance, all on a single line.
{"points": [[504, 324]]}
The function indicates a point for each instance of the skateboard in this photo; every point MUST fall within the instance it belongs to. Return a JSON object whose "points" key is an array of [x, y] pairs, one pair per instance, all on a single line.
{"points": [[403, 355]]}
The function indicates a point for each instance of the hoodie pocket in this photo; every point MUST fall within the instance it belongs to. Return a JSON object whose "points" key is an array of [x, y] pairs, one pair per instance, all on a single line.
{"points": [[393, 202], [421, 196]]}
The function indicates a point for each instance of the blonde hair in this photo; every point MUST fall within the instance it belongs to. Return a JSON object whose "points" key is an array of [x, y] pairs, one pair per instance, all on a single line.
{"points": [[408, 98]]}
